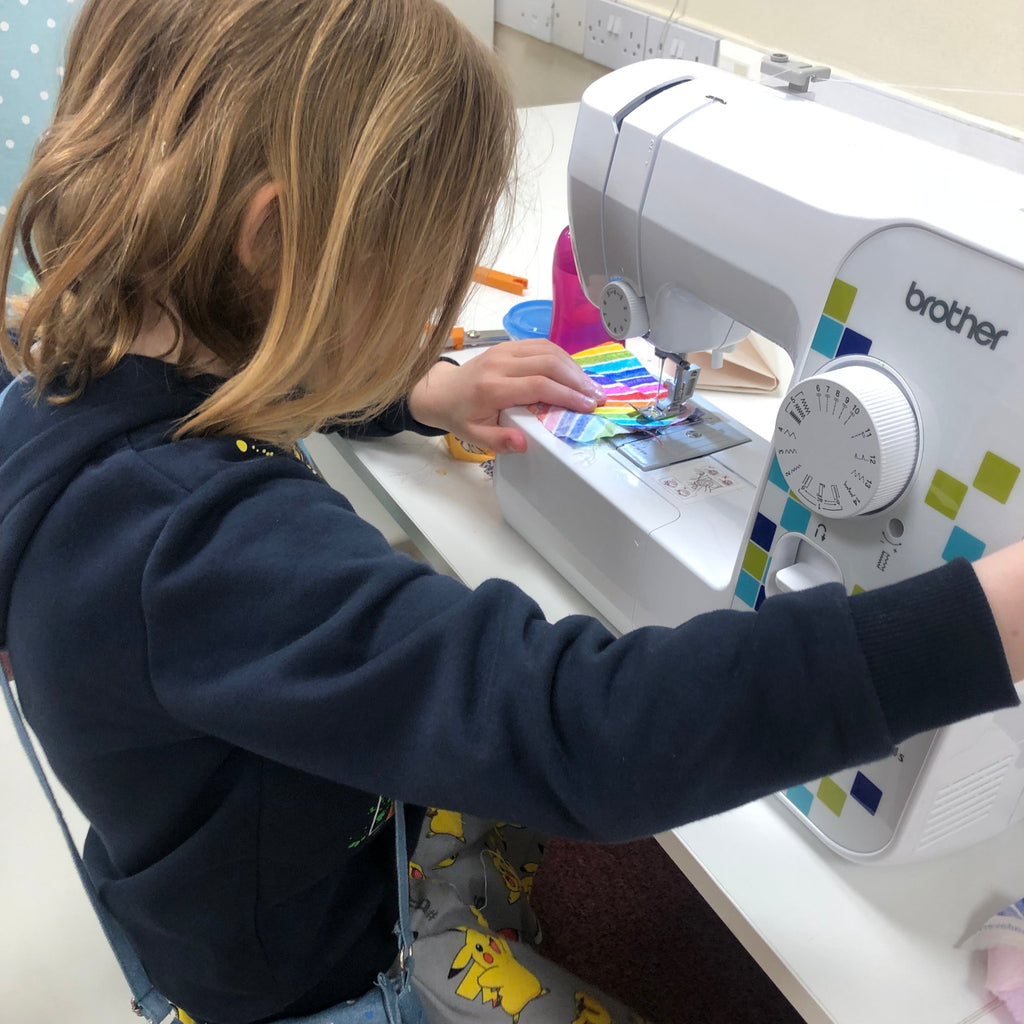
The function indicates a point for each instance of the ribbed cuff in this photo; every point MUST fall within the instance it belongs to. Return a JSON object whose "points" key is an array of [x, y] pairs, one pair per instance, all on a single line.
{"points": [[933, 649]]}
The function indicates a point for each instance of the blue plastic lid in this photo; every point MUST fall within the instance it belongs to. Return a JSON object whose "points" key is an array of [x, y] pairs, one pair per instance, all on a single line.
{"points": [[529, 319]]}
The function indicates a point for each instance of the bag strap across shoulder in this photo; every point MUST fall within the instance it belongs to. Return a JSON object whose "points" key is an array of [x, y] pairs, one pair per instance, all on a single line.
{"points": [[145, 998], [147, 1002]]}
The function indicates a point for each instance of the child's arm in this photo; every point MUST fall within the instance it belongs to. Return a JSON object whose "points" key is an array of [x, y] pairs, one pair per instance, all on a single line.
{"points": [[1001, 575], [467, 399]]}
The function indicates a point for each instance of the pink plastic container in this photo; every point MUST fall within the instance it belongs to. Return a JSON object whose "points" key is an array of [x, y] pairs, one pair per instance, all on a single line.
{"points": [[575, 320]]}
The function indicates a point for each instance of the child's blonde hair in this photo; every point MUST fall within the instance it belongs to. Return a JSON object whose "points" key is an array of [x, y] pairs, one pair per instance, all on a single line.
{"points": [[390, 135]]}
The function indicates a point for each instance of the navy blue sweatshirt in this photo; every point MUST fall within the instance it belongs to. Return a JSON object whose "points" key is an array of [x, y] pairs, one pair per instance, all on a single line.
{"points": [[233, 675]]}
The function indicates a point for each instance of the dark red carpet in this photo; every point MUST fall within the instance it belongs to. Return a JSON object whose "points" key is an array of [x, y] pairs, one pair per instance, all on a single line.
{"points": [[625, 918]]}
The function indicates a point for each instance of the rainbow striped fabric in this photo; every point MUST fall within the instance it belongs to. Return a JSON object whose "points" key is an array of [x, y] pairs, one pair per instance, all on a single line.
{"points": [[628, 388]]}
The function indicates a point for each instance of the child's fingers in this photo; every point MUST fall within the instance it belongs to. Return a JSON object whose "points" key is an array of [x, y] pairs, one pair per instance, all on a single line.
{"points": [[560, 367], [544, 388], [539, 358]]}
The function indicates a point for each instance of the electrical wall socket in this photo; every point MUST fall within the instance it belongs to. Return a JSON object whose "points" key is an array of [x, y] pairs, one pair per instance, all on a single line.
{"points": [[569, 21], [680, 42], [534, 17], [614, 35]]}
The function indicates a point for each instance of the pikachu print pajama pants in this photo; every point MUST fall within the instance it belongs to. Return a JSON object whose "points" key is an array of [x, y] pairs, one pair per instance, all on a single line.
{"points": [[476, 936]]}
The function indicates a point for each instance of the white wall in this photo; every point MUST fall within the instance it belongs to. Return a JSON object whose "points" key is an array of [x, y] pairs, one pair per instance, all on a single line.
{"points": [[477, 14], [964, 55]]}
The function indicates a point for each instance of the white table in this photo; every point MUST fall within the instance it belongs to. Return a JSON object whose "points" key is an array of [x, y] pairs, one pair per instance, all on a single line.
{"points": [[845, 943]]}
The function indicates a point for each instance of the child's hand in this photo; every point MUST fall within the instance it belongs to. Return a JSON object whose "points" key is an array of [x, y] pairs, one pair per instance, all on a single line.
{"points": [[467, 399]]}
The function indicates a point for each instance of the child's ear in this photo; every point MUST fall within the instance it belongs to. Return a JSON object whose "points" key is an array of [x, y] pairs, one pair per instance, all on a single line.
{"points": [[251, 247]]}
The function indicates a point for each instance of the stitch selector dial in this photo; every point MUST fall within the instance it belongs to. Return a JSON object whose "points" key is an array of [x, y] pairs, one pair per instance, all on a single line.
{"points": [[847, 441]]}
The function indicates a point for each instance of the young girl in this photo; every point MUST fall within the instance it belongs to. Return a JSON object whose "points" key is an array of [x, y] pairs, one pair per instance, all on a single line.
{"points": [[240, 220]]}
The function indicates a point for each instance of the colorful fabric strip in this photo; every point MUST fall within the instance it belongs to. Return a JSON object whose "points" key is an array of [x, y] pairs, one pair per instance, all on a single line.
{"points": [[628, 388]]}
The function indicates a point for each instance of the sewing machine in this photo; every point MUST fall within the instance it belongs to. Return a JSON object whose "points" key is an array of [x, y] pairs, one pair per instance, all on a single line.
{"points": [[704, 206]]}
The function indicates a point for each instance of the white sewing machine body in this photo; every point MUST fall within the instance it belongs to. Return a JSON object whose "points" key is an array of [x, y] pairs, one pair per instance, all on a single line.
{"points": [[892, 272]]}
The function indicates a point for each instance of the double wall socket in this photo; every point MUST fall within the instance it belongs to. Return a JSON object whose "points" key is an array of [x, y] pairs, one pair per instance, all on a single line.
{"points": [[614, 35], [534, 17], [608, 32], [554, 21], [680, 42]]}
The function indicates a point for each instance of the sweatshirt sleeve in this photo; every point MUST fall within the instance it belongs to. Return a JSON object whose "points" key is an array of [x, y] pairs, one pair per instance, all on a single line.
{"points": [[392, 420], [281, 622]]}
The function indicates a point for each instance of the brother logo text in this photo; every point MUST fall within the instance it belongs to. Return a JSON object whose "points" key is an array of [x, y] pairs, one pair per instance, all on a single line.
{"points": [[954, 316]]}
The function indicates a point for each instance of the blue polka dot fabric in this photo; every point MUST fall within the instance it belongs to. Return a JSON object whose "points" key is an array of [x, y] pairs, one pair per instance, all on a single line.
{"points": [[33, 34]]}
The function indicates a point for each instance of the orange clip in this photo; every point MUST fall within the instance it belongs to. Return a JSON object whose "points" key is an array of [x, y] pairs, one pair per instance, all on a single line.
{"points": [[498, 279], [458, 336]]}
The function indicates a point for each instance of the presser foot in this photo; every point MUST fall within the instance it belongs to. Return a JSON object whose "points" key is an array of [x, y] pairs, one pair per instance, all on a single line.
{"points": [[656, 412]]}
